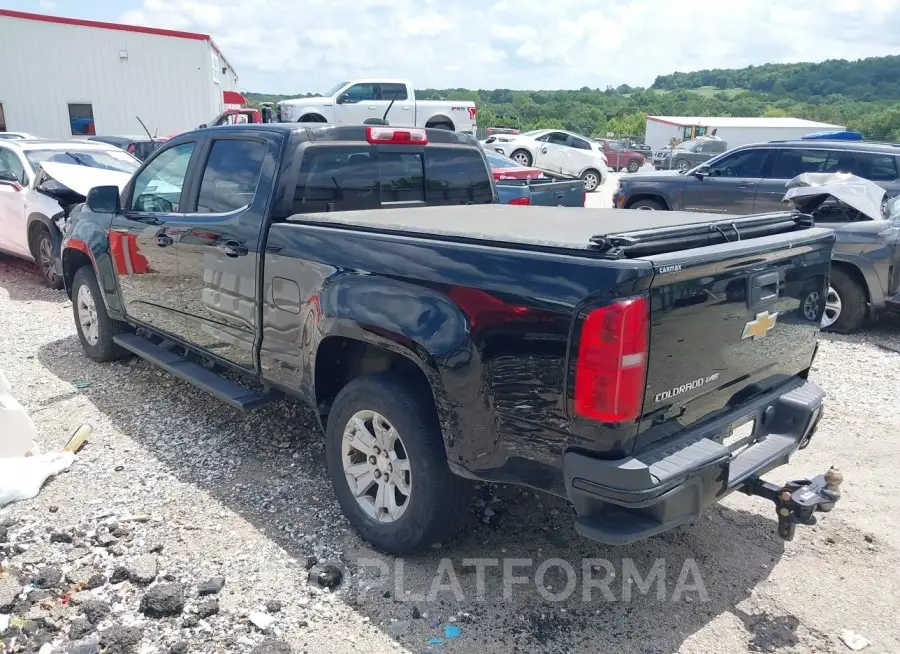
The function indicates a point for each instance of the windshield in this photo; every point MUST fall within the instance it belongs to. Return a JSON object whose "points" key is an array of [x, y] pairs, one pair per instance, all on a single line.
{"points": [[690, 145], [105, 159], [499, 161], [335, 89]]}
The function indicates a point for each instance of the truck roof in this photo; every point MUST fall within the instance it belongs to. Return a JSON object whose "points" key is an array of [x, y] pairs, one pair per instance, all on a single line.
{"points": [[566, 228]]}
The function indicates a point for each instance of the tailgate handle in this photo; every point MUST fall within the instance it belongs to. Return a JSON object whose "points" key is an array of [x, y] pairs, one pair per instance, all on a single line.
{"points": [[560, 195], [764, 289]]}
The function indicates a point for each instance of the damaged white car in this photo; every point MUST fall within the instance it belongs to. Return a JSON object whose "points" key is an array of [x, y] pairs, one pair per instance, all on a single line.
{"points": [[40, 183]]}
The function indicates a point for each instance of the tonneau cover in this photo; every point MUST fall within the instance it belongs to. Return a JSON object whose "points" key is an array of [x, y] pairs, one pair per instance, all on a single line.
{"points": [[570, 228]]}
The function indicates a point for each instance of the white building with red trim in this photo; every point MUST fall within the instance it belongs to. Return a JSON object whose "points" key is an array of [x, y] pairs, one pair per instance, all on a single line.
{"points": [[735, 131], [64, 77]]}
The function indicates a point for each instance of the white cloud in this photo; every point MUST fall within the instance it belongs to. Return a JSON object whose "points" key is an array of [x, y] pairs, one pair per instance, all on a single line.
{"points": [[282, 46]]}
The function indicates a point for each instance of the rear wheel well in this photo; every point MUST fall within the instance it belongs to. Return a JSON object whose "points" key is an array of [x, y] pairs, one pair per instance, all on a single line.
{"points": [[646, 196], [312, 118], [340, 360], [72, 262], [440, 122], [855, 274]]}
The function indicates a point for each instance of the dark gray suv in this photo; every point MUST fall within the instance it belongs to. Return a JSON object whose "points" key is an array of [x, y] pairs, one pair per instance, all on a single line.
{"points": [[686, 155], [865, 279]]}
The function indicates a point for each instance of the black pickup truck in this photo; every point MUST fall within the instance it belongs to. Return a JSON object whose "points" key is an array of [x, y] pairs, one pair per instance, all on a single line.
{"points": [[641, 364]]}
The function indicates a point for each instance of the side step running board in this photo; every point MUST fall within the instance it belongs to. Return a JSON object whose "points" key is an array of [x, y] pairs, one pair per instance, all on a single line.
{"points": [[203, 378]]}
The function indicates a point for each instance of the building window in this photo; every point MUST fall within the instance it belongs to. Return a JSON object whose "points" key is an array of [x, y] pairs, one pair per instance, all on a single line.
{"points": [[81, 118]]}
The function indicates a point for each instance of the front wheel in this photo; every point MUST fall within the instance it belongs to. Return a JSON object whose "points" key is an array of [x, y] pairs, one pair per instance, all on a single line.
{"points": [[845, 304], [592, 180], [682, 165], [387, 464], [521, 157], [634, 166], [95, 328], [648, 205], [42, 248]]}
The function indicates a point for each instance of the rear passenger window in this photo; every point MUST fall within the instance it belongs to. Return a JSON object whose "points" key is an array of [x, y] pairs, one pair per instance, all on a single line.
{"points": [[869, 165], [393, 92], [790, 163], [231, 175], [361, 177]]}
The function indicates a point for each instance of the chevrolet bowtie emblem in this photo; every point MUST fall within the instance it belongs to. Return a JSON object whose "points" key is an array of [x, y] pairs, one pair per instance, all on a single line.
{"points": [[761, 326]]}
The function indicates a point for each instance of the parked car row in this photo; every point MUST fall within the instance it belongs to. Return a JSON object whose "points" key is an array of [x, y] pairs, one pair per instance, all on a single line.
{"points": [[754, 178], [442, 339]]}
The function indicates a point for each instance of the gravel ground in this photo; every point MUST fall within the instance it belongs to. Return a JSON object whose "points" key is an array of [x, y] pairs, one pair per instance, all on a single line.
{"points": [[178, 494]]}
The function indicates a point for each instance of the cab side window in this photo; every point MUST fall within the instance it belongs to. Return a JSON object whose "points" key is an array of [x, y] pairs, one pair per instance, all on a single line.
{"points": [[359, 93], [745, 163], [158, 187], [557, 138], [11, 163], [231, 175]]}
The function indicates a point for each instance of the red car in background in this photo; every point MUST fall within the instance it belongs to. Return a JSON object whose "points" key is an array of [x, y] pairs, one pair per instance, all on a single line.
{"points": [[505, 168], [618, 157]]}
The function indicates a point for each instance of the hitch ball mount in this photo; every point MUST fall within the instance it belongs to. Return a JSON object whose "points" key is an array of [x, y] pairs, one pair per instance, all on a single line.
{"points": [[797, 501]]}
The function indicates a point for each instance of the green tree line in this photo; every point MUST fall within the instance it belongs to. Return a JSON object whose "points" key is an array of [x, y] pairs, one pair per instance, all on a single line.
{"points": [[862, 95]]}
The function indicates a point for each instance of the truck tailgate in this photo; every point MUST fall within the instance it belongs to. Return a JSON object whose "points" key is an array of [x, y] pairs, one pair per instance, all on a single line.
{"points": [[727, 325], [542, 192]]}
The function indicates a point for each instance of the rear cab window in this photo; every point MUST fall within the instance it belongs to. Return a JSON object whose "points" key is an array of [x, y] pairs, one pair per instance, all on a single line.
{"points": [[356, 177]]}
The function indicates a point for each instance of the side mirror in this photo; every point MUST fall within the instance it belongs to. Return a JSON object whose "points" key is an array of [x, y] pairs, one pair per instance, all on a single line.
{"points": [[702, 171], [103, 199], [8, 178], [202, 126], [344, 99]]}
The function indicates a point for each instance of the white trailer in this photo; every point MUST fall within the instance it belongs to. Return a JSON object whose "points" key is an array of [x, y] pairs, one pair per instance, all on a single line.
{"points": [[734, 131]]}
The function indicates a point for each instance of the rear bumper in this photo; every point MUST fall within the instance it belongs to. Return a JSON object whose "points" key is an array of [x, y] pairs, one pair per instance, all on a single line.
{"points": [[619, 502]]}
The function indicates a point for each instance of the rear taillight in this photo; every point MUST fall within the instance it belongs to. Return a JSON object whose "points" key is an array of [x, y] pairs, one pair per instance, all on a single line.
{"points": [[612, 362], [393, 135], [584, 198], [520, 201]]}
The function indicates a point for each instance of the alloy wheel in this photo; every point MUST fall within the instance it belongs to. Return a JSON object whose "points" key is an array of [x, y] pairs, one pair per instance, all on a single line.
{"points": [[376, 466]]}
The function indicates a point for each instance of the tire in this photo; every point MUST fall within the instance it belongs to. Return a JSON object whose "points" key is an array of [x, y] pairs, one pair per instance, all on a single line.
{"points": [[42, 251], [437, 502], [446, 126], [592, 180], [312, 118], [634, 165], [98, 345], [648, 205], [683, 165], [521, 157], [849, 299]]}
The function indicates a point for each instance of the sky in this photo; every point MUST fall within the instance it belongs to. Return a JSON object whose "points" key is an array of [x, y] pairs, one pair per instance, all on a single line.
{"points": [[288, 46]]}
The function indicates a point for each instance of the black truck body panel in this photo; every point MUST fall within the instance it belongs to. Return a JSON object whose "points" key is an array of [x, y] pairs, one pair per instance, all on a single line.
{"points": [[488, 302]]}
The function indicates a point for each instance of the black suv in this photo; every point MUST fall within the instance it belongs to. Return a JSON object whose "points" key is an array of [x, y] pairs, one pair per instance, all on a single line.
{"points": [[865, 276]]}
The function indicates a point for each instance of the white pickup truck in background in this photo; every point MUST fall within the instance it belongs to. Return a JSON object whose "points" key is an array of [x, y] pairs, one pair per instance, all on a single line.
{"points": [[351, 103]]}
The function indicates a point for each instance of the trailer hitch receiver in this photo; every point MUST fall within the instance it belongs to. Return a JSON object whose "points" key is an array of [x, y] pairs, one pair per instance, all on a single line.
{"points": [[797, 501]]}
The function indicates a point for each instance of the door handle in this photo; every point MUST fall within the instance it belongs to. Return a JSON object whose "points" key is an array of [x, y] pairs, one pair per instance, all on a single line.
{"points": [[372, 106], [745, 186], [406, 108], [162, 240], [233, 249]]}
